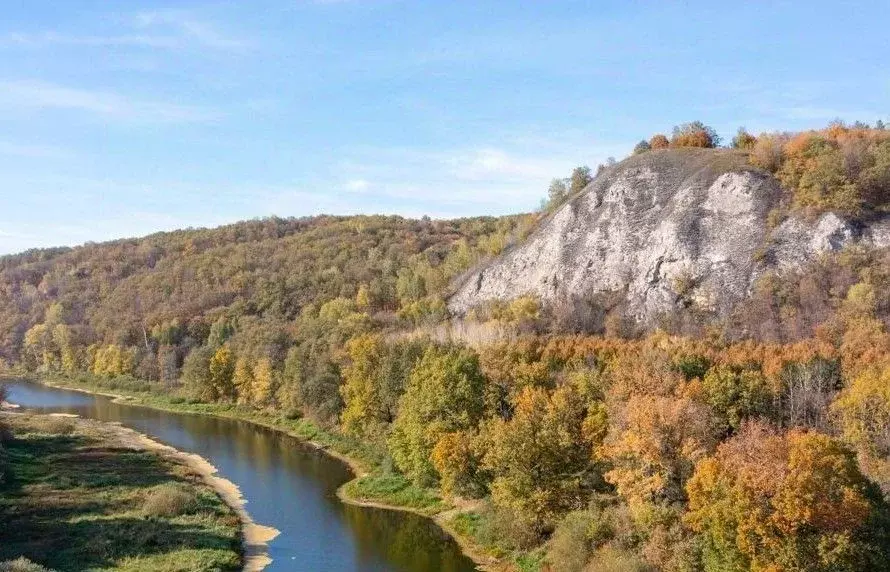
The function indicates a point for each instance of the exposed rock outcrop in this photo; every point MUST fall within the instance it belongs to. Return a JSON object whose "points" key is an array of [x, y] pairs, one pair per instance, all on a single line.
{"points": [[660, 228]]}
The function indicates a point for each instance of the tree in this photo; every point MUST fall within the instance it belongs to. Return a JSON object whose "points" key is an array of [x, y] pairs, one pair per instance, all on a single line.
{"points": [[557, 194], [807, 390], [264, 378], [863, 410], [539, 457], [791, 501], [242, 379], [581, 177], [457, 459], [443, 395], [735, 395], [364, 414], [642, 147], [653, 447], [659, 141], [767, 152], [221, 368], [694, 134], [743, 140], [196, 374]]}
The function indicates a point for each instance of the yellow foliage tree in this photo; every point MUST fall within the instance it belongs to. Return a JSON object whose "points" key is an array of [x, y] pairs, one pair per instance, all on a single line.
{"points": [[789, 502], [263, 382], [653, 446], [242, 378]]}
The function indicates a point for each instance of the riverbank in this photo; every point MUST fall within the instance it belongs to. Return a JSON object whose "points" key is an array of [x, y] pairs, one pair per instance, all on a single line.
{"points": [[371, 486], [85, 494]]}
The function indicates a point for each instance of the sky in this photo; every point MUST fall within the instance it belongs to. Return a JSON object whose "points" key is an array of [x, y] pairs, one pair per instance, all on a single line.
{"points": [[119, 119]]}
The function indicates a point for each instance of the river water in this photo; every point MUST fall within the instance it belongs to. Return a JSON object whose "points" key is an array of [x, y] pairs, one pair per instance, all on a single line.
{"points": [[288, 485]]}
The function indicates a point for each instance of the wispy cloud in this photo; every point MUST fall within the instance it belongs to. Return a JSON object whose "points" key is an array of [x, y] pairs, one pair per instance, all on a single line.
{"points": [[357, 185], [189, 27], [39, 95], [44, 39], [170, 30]]}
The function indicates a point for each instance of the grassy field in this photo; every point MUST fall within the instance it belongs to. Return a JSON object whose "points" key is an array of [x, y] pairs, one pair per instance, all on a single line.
{"points": [[77, 497]]}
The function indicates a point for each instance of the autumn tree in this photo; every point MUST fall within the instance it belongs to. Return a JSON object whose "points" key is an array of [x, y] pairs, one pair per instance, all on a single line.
{"points": [[443, 395], [736, 394], [743, 140], [767, 151], [653, 446], [659, 141], [364, 414], [221, 368], [580, 178], [196, 374], [793, 501], [694, 134], [242, 379], [863, 411], [457, 458], [264, 383], [374, 376], [539, 457]]}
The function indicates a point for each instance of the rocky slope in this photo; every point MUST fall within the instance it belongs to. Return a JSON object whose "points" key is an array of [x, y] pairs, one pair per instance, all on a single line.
{"points": [[660, 228]]}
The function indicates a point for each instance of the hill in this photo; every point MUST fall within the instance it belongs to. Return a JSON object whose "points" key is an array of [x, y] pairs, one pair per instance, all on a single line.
{"points": [[664, 233]]}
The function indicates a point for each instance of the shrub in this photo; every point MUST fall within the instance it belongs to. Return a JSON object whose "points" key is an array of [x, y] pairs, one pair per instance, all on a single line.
{"points": [[659, 141], [53, 425], [169, 500], [609, 559], [22, 564], [767, 152], [642, 147], [571, 543], [695, 134], [743, 140]]}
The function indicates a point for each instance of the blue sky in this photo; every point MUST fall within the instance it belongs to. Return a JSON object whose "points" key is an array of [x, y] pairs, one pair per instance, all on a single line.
{"points": [[122, 118]]}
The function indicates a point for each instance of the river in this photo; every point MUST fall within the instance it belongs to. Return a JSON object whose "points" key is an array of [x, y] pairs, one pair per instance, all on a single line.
{"points": [[288, 485]]}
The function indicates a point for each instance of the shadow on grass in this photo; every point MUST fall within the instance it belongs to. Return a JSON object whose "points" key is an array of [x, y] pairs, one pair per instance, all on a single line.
{"points": [[100, 543], [73, 503]]}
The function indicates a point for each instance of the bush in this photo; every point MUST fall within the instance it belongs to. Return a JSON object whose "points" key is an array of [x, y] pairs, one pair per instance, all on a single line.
{"points": [[52, 425], [21, 564], [695, 134], [169, 500], [504, 529], [571, 543], [659, 141], [610, 559]]}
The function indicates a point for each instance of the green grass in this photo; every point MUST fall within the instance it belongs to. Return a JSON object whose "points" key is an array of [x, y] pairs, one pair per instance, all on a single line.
{"points": [[77, 501], [393, 490]]}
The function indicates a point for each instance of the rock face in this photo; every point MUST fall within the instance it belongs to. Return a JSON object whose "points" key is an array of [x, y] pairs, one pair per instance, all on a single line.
{"points": [[660, 228]]}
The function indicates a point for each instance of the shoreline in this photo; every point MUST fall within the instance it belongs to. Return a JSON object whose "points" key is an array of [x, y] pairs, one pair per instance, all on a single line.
{"points": [[254, 536], [483, 562]]}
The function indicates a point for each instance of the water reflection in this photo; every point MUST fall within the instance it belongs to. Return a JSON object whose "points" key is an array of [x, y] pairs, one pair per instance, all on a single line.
{"points": [[288, 485]]}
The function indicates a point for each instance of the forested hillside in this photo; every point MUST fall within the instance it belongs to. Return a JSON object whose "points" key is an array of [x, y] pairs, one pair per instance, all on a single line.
{"points": [[755, 440]]}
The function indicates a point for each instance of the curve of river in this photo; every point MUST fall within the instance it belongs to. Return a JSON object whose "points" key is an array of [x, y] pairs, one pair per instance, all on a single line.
{"points": [[288, 485]]}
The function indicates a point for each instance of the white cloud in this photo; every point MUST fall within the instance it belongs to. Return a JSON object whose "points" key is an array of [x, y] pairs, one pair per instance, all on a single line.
{"points": [[198, 31], [30, 94], [56, 39], [357, 185], [170, 29]]}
